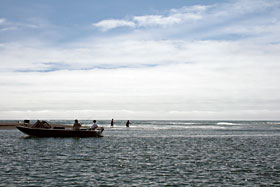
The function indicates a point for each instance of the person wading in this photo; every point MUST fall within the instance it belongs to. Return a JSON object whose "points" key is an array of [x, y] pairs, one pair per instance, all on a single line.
{"points": [[127, 123]]}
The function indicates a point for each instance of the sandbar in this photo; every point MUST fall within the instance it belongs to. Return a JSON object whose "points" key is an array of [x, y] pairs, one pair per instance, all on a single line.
{"points": [[12, 125]]}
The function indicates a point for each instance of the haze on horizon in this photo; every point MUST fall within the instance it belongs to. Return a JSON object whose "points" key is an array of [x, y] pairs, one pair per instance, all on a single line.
{"points": [[165, 60]]}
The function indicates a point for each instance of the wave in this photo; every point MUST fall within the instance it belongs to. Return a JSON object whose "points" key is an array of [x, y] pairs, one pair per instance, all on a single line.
{"points": [[228, 123], [166, 127]]}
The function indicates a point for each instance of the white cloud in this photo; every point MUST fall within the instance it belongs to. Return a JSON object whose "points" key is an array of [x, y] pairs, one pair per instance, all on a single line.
{"points": [[174, 17], [113, 23], [129, 52], [191, 9], [152, 20], [2, 20], [151, 92], [219, 80], [158, 20]]}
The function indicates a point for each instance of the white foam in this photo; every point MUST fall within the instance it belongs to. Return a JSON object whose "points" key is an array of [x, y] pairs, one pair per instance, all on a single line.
{"points": [[228, 123]]}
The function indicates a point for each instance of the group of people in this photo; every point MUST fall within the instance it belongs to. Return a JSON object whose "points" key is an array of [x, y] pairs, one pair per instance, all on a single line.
{"points": [[127, 123], [78, 125], [94, 126]]}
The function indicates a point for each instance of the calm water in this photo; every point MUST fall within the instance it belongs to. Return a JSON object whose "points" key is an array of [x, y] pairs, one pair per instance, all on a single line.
{"points": [[149, 153]]}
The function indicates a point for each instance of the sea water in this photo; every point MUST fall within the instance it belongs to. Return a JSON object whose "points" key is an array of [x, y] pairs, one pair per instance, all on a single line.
{"points": [[148, 153]]}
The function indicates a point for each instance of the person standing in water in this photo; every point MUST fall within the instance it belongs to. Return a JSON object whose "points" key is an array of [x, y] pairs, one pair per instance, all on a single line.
{"points": [[127, 123], [112, 122]]}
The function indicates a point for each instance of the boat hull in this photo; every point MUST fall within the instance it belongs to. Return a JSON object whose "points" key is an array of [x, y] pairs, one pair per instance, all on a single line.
{"points": [[41, 132]]}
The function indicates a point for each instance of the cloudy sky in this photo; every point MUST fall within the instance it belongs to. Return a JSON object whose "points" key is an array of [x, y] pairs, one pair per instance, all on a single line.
{"points": [[142, 59]]}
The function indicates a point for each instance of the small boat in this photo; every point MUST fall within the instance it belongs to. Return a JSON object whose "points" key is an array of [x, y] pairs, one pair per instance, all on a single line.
{"points": [[60, 132]]}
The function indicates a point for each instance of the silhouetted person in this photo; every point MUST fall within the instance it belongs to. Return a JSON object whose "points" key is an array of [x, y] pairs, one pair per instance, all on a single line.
{"points": [[127, 123], [112, 122]]}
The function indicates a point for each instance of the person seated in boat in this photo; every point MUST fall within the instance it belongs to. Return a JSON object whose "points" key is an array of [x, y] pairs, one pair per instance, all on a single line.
{"points": [[94, 125], [76, 125]]}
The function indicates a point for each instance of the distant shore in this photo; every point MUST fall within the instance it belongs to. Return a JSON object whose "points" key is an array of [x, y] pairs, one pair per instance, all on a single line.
{"points": [[8, 125], [12, 125]]}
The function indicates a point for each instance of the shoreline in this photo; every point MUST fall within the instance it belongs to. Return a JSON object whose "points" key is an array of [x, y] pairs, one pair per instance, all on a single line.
{"points": [[8, 125], [12, 125]]}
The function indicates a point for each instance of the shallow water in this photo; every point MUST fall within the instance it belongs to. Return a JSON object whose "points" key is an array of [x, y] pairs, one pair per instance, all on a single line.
{"points": [[149, 153]]}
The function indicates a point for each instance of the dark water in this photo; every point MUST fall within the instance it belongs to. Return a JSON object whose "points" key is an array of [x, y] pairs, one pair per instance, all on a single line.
{"points": [[149, 153]]}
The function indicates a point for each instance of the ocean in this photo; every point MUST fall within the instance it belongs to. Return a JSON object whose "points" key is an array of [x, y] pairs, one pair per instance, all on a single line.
{"points": [[148, 153]]}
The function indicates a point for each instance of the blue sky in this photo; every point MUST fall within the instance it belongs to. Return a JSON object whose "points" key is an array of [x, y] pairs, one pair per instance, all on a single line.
{"points": [[64, 21], [140, 59]]}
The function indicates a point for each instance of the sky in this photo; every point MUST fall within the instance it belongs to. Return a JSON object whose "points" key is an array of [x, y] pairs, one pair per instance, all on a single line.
{"points": [[140, 60]]}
